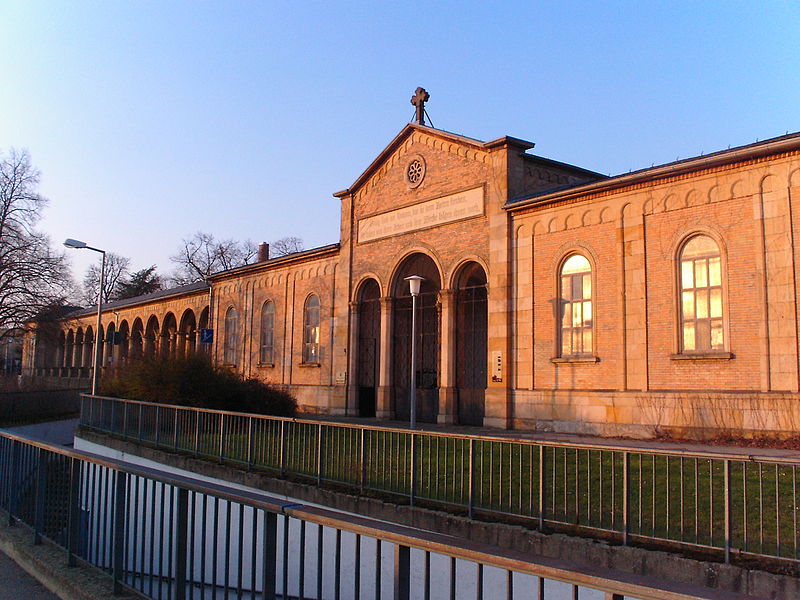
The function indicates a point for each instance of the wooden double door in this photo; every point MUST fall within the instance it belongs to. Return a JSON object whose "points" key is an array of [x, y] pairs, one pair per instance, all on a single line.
{"points": [[471, 343]]}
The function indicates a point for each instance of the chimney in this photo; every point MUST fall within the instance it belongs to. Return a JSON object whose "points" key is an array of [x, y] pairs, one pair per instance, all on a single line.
{"points": [[263, 252]]}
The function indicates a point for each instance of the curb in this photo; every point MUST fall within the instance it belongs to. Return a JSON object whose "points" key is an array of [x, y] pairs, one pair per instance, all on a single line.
{"points": [[48, 564]]}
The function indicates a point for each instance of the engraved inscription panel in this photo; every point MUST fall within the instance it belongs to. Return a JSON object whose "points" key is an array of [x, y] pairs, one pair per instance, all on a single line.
{"points": [[430, 213]]}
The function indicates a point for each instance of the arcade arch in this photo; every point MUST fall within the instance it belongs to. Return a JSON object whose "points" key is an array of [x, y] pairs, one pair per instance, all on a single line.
{"points": [[427, 339], [187, 334], [471, 343], [151, 336], [369, 334], [169, 331]]}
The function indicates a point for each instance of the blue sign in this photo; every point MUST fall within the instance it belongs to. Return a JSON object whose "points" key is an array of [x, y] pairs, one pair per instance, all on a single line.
{"points": [[206, 336]]}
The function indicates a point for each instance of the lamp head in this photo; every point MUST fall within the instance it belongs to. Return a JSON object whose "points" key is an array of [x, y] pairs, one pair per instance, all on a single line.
{"points": [[70, 243], [414, 281]]}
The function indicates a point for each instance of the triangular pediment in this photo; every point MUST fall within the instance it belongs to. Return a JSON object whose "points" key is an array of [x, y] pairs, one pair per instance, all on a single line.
{"points": [[459, 141]]}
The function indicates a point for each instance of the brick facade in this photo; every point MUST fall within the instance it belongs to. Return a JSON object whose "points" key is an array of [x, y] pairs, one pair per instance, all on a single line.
{"points": [[636, 378]]}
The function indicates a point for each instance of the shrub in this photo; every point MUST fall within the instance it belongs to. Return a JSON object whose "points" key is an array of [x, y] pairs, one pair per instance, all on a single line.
{"points": [[194, 381]]}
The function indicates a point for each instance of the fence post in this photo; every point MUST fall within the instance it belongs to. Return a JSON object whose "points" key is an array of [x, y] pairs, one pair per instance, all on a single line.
{"points": [[175, 431], [221, 436], [728, 523], [402, 572], [74, 517], [363, 459], [626, 497], [113, 416], [91, 411], [471, 477], [120, 481], [197, 432], [125, 420], [249, 443], [181, 531], [319, 453], [542, 497], [140, 422], [413, 491], [41, 485], [269, 575], [158, 424], [282, 456], [14, 488]]}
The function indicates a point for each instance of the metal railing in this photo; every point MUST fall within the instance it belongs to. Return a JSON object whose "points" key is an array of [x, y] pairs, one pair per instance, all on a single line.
{"points": [[169, 536], [717, 502]]}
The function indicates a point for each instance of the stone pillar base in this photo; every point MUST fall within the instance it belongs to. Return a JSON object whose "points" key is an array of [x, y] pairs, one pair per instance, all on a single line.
{"points": [[352, 400], [448, 397], [497, 408], [337, 401], [383, 403]]}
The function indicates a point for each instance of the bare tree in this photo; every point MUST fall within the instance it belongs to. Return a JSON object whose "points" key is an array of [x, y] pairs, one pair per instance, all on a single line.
{"points": [[32, 275], [202, 255], [116, 272], [286, 245]]}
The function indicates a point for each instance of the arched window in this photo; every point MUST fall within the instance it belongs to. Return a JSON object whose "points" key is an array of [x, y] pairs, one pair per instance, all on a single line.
{"points": [[231, 336], [267, 333], [701, 296], [576, 306], [311, 330]]}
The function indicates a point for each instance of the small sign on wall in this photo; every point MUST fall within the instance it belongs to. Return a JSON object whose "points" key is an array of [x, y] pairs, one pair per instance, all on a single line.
{"points": [[341, 378], [206, 336], [497, 366]]}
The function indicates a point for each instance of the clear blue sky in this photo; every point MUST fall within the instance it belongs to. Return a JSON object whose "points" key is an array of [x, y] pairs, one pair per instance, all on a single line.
{"points": [[152, 120]]}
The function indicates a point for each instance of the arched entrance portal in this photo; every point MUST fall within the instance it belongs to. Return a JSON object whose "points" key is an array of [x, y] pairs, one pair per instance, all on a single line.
{"points": [[369, 333], [471, 344], [427, 363]]}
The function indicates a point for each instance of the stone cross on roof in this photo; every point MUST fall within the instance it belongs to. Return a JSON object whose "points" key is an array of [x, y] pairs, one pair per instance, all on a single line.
{"points": [[419, 99]]}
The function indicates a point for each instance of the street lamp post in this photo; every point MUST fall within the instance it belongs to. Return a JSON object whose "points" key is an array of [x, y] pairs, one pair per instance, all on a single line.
{"points": [[414, 282], [78, 245]]}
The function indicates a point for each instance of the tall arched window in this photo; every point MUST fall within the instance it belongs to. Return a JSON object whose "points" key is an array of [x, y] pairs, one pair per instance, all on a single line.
{"points": [[231, 336], [267, 333], [576, 306], [701, 296], [311, 330]]}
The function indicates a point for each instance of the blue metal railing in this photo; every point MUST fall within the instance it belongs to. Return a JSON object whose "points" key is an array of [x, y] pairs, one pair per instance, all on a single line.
{"points": [[169, 536], [726, 503]]}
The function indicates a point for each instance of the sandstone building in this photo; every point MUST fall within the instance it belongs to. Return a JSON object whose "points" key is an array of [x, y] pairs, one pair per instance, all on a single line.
{"points": [[554, 297]]}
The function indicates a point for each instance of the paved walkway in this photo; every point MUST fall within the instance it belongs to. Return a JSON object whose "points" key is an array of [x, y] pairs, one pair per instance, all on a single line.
{"points": [[16, 584], [614, 443], [60, 433]]}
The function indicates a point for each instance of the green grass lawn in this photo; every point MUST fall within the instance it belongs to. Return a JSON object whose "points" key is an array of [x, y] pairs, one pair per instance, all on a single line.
{"points": [[669, 497]]}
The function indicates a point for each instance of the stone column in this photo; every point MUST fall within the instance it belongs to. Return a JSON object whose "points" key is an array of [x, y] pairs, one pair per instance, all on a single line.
{"points": [[108, 349], [384, 408], [147, 345], [163, 345], [88, 345], [180, 344], [448, 394], [116, 351], [352, 362]]}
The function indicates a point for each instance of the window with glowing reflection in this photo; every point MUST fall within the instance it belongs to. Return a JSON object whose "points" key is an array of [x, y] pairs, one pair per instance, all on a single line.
{"points": [[702, 310], [267, 333], [576, 307], [311, 330], [231, 336]]}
